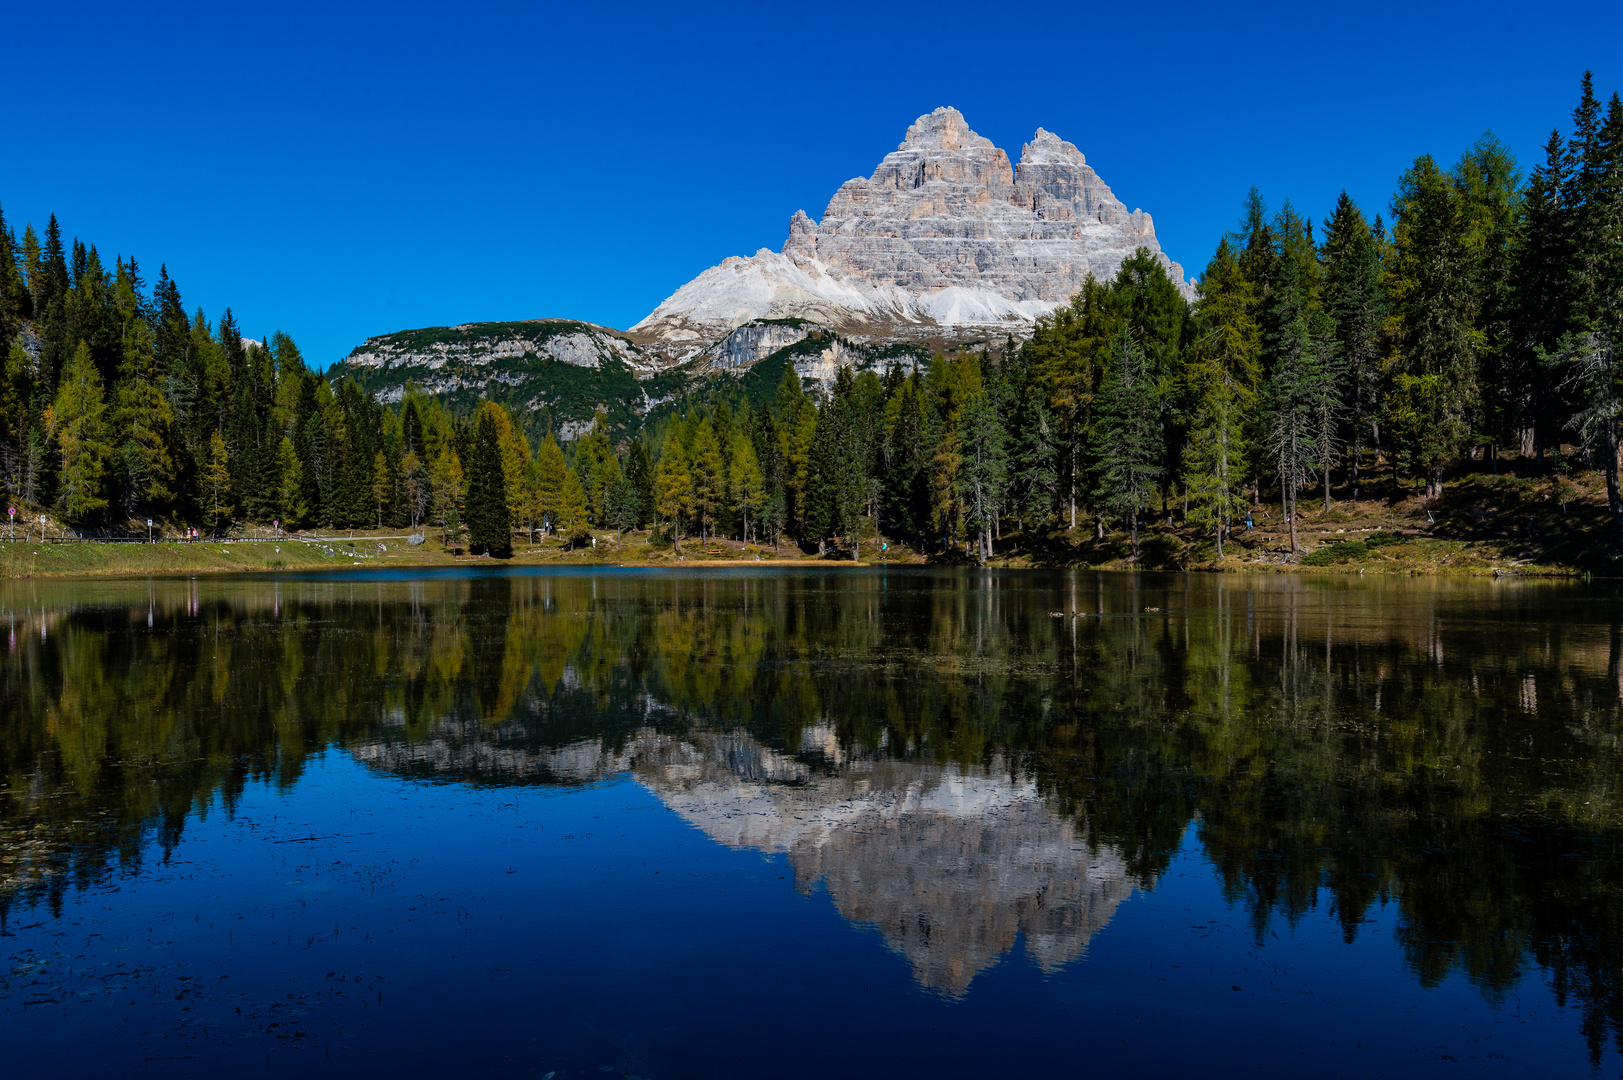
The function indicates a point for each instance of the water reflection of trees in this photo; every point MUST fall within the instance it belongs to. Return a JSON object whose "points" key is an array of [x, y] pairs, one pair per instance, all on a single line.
{"points": [[1454, 747]]}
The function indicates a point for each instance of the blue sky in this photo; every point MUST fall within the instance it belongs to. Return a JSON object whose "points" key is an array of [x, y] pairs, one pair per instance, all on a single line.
{"points": [[338, 171]]}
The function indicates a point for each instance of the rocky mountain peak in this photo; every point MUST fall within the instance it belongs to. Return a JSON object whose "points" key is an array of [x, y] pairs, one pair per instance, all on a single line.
{"points": [[943, 233]]}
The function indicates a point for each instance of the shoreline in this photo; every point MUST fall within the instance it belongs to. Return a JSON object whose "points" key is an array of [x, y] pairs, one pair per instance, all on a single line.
{"points": [[89, 559]]}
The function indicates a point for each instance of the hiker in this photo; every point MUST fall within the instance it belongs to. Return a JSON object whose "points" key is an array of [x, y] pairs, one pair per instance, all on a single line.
{"points": [[1248, 521]]}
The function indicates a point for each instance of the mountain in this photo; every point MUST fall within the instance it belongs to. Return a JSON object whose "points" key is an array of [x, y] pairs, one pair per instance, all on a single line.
{"points": [[945, 243], [553, 373], [944, 233]]}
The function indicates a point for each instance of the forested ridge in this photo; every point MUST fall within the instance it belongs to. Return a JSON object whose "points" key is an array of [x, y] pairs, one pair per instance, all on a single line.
{"points": [[1471, 326]]}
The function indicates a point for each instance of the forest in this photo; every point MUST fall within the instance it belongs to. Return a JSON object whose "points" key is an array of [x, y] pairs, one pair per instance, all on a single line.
{"points": [[1472, 325]]}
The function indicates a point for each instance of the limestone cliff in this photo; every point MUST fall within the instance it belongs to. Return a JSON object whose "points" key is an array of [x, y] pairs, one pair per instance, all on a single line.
{"points": [[944, 232]]}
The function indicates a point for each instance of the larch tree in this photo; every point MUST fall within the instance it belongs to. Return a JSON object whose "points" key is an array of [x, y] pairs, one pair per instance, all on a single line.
{"points": [[217, 481], [79, 419], [673, 485]]}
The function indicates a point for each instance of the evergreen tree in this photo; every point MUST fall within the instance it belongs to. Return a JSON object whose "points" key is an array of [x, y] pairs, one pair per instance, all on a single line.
{"points": [[640, 473], [1128, 447], [1296, 389], [490, 529], [983, 472], [624, 505], [1434, 307], [1356, 307], [1221, 373]]}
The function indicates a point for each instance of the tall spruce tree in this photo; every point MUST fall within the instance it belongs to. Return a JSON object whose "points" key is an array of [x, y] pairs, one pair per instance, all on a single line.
{"points": [[1128, 444], [490, 529], [1356, 308], [1435, 306]]}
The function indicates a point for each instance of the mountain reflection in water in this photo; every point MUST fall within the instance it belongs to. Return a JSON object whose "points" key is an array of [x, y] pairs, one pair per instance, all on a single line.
{"points": [[949, 865], [951, 764]]}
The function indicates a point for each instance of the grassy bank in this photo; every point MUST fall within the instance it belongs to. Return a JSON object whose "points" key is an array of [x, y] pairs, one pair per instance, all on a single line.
{"points": [[1482, 524]]}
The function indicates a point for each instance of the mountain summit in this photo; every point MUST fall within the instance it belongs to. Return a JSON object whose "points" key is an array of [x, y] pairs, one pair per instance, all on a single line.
{"points": [[943, 233]]}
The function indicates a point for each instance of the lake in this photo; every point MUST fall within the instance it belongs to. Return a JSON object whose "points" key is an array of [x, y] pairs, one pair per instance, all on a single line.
{"points": [[736, 823]]}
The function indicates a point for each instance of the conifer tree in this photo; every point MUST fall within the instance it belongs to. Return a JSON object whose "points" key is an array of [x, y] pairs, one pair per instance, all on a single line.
{"points": [[747, 483], [1434, 307], [382, 483], [1356, 308], [549, 482], [490, 529], [1297, 387], [291, 508], [673, 485], [983, 471], [1222, 368], [217, 482], [80, 433], [624, 505], [709, 479], [1128, 447], [572, 513], [447, 480], [640, 472]]}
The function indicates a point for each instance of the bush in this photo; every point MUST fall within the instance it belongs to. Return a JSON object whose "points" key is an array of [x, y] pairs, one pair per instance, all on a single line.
{"points": [[1159, 550], [1341, 551]]}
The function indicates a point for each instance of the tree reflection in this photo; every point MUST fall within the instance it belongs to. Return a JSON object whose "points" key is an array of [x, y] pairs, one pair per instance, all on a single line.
{"points": [[1450, 747]]}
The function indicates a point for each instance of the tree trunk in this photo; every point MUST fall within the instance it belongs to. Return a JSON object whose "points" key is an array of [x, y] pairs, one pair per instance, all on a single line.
{"points": [[1614, 497], [1132, 528], [1290, 514]]}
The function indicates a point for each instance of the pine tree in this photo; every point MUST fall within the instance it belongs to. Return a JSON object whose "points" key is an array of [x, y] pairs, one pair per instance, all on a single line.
{"points": [[1127, 441], [490, 529], [1434, 308], [640, 472], [983, 473], [1354, 302], [1221, 372], [16, 395], [1296, 390], [624, 505], [143, 422], [79, 430], [905, 501]]}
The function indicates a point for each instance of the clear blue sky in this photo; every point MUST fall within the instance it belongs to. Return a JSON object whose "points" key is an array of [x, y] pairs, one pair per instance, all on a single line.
{"points": [[338, 171]]}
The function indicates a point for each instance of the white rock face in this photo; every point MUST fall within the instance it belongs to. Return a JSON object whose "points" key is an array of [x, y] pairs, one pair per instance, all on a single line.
{"points": [[943, 233], [448, 359]]}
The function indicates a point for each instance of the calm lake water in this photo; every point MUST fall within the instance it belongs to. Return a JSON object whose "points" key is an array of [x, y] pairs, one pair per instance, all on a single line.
{"points": [[825, 823]]}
